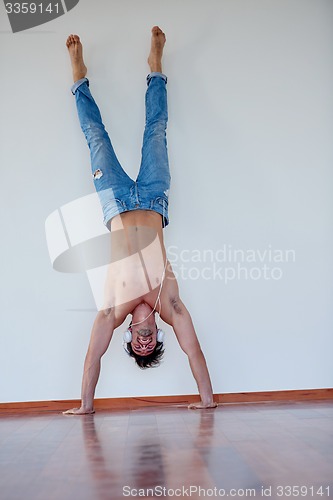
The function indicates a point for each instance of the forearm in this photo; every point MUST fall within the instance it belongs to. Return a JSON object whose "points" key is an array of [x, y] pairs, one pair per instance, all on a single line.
{"points": [[89, 381], [184, 330], [100, 339], [200, 373]]}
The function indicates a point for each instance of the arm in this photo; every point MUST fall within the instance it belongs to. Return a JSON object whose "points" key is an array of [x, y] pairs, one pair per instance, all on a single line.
{"points": [[188, 341], [101, 335]]}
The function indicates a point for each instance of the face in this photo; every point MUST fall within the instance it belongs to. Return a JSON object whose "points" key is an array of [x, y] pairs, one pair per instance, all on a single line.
{"points": [[144, 335]]}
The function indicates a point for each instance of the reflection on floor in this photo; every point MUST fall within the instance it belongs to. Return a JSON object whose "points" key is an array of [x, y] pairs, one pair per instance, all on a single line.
{"points": [[238, 450]]}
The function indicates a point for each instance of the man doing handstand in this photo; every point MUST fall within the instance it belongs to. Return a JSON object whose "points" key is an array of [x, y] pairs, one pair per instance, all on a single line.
{"points": [[140, 280]]}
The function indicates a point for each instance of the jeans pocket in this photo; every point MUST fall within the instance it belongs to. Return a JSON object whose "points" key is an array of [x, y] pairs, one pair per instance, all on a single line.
{"points": [[160, 204]]}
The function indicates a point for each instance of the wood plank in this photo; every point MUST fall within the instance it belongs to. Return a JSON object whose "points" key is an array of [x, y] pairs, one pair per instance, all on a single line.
{"points": [[243, 446], [162, 401]]}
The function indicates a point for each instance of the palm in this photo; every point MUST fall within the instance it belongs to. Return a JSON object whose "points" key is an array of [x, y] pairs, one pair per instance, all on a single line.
{"points": [[78, 411]]}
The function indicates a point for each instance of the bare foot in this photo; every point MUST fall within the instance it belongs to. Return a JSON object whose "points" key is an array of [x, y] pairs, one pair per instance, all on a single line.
{"points": [[157, 44], [75, 51]]}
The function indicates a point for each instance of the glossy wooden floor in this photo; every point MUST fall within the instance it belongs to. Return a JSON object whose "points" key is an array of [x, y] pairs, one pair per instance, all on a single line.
{"points": [[235, 447]]}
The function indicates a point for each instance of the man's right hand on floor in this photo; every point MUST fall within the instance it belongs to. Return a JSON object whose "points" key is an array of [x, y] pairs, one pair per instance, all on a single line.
{"points": [[78, 411]]}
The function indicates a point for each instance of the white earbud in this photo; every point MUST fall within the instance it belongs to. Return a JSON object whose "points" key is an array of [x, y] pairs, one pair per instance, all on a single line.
{"points": [[160, 335], [127, 336]]}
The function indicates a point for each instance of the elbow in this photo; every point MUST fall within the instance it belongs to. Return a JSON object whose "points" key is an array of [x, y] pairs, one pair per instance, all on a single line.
{"points": [[193, 352]]}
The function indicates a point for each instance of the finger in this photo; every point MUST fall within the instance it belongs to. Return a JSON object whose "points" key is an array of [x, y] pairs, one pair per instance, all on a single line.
{"points": [[194, 406], [69, 412]]}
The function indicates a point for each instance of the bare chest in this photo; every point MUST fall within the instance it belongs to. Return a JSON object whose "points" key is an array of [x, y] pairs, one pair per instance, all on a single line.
{"points": [[137, 264]]}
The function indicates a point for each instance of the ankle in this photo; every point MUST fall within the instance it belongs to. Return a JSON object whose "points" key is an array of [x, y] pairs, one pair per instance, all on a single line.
{"points": [[156, 68]]}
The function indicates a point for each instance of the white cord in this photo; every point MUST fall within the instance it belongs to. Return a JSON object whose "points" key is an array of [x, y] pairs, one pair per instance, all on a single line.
{"points": [[158, 298], [159, 314]]}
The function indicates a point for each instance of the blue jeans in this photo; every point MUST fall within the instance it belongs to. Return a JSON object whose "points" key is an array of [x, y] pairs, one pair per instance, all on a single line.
{"points": [[116, 190]]}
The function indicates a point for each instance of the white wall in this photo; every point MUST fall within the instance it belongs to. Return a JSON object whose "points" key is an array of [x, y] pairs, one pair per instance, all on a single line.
{"points": [[250, 129]]}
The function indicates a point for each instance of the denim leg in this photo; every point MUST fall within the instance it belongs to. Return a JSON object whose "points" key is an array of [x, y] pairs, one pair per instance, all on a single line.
{"points": [[110, 180], [154, 174]]}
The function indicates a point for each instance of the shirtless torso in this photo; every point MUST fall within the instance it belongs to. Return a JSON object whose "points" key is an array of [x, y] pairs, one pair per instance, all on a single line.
{"points": [[138, 264]]}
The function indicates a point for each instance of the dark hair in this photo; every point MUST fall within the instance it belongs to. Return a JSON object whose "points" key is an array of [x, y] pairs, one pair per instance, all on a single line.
{"points": [[151, 360]]}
